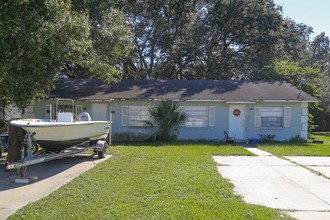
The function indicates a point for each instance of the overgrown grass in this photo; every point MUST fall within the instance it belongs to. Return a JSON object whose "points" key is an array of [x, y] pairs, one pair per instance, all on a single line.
{"points": [[300, 149], [151, 182]]}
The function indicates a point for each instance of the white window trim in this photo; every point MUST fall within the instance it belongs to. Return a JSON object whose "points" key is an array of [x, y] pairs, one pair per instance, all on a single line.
{"points": [[257, 117], [286, 116], [124, 115], [209, 114]]}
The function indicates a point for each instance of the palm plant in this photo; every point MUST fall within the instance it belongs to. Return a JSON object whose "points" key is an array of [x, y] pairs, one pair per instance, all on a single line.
{"points": [[166, 119]]}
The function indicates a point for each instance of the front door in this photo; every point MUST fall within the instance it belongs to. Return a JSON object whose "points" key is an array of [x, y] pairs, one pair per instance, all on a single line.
{"points": [[237, 121], [100, 112]]}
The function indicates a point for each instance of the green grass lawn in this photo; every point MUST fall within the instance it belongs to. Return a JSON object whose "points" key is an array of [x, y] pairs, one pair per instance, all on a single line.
{"points": [[300, 149], [178, 181]]}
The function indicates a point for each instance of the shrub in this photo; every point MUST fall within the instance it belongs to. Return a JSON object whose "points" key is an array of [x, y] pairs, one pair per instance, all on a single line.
{"points": [[166, 119], [267, 137], [297, 139]]}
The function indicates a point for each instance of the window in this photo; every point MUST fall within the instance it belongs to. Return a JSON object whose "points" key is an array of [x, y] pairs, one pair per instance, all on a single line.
{"points": [[272, 117], [198, 116], [134, 115]]}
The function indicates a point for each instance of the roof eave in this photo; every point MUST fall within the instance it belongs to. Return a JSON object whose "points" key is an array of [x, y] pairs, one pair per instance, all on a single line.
{"points": [[283, 100], [240, 102]]}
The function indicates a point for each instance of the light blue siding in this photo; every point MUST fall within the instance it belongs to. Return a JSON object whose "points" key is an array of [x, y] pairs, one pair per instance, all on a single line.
{"points": [[40, 106], [281, 133], [207, 133], [127, 133], [185, 133]]}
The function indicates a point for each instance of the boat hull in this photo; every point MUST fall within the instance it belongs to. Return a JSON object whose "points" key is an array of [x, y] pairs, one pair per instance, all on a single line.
{"points": [[57, 136]]}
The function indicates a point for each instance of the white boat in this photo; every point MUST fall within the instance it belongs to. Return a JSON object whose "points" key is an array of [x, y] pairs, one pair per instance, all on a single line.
{"points": [[66, 131]]}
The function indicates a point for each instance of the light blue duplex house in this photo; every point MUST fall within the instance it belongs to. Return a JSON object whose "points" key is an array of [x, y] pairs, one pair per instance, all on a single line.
{"points": [[244, 109]]}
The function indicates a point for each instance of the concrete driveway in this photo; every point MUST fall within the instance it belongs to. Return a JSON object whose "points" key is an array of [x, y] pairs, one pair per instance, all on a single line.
{"points": [[318, 164], [278, 183], [50, 176]]}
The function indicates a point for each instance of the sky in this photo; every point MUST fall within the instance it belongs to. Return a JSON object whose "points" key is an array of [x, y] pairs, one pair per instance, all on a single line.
{"points": [[314, 13]]}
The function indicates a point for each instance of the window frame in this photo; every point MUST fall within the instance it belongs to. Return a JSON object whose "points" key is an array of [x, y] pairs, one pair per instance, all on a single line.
{"points": [[205, 120], [141, 115], [285, 116], [272, 117]]}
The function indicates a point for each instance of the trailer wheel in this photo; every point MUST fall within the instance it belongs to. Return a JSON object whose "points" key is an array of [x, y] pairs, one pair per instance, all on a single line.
{"points": [[103, 152]]}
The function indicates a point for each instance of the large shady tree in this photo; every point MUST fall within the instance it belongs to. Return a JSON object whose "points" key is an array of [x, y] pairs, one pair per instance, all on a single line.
{"points": [[35, 38], [197, 39], [39, 38]]}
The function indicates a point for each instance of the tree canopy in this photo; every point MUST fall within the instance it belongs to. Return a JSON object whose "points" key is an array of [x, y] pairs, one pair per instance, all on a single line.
{"points": [[144, 39], [226, 39], [202, 39], [38, 38]]}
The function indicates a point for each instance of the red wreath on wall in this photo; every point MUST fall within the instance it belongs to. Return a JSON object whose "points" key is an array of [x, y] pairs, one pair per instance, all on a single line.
{"points": [[237, 112]]}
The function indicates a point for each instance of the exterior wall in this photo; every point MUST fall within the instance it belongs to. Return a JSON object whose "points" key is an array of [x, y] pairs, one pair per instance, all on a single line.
{"points": [[11, 112], [298, 122], [210, 132], [298, 119], [40, 107], [128, 133], [185, 133]]}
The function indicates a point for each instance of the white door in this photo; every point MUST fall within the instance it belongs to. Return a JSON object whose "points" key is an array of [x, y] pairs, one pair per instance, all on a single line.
{"points": [[237, 121], [100, 112]]}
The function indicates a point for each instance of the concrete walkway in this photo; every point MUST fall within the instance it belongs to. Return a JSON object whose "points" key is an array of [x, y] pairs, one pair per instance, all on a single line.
{"points": [[277, 183], [51, 176], [318, 164]]}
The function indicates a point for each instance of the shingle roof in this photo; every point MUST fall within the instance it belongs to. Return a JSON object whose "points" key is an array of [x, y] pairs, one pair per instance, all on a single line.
{"points": [[220, 90]]}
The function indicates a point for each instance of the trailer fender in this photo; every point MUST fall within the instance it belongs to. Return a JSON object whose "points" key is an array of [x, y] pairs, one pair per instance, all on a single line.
{"points": [[101, 148]]}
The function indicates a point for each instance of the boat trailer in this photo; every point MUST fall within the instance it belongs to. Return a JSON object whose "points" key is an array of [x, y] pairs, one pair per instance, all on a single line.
{"points": [[29, 158]]}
